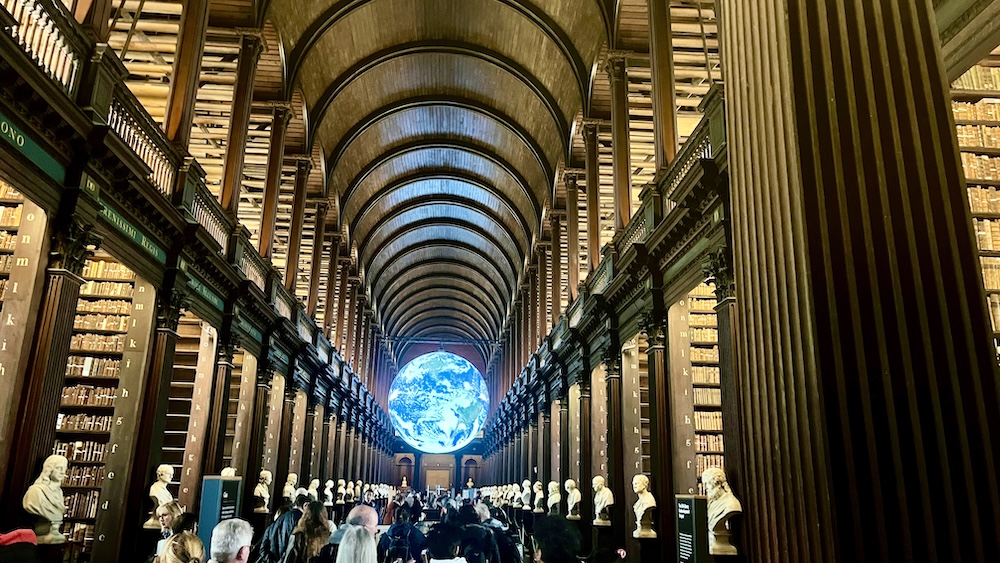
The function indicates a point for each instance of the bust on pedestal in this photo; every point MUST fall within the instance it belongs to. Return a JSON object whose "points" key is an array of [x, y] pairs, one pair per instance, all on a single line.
{"points": [[572, 500], [403, 485], [643, 508], [313, 490], [228, 472], [159, 493], [722, 505], [515, 495], [341, 491], [539, 498], [44, 500], [288, 491], [603, 499], [262, 492], [554, 498], [526, 495], [328, 493], [469, 484]]}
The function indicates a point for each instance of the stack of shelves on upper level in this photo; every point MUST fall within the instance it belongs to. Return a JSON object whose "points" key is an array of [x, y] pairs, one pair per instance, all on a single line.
{"points": [[181, 392], [976, 107], [11, 205], [93, 370], [696, 395]]}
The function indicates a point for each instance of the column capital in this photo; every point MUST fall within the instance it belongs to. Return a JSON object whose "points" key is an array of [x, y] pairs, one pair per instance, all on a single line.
{"points": [[718, 269], [252, 40], [652, 326], [611, 358], [169, 305], [615, 66], [72, 245]]}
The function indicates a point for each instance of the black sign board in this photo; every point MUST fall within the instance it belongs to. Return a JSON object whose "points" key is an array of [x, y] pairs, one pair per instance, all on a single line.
{"points": [[692, 529]]}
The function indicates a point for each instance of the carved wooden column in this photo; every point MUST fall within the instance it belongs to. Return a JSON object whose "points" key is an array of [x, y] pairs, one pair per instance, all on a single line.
{"points": [[544, 424], [344, 264], [542, 310], [258, 431], [564, 443], [340, 455], [330, 310], [302, 168], [593, 173], [557, 269], [531, 444], [285, 438], [34, 433], [319, 240], [306, 468], [586, 455], [272, 182], [620, 153], [572, 236], [350, 321], [251, 46], [661, 54], [156, 395], [616, 462], [186, 75], [215, 438], [532, 312], [869, 376], [350, 468], [661, 476]]}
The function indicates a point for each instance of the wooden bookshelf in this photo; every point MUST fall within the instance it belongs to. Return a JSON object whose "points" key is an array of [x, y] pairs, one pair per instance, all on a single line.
{"points": [[240, 416], [87, 410], [976, 108], [696, 394]]}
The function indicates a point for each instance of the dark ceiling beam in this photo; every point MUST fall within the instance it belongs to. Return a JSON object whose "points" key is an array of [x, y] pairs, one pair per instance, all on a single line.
{"points": [[391, 110], [458, 48], [514, 262], [429, 332], [411, 302], [509, 274], [432, 321], [450, 175], [477, 260], [444, 285], [447, 144], [442, 303], [335, 13], [457, 273]]}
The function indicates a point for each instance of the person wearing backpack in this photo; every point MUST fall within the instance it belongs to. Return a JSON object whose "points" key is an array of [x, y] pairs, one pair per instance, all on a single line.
{"points": [[402, 541]]}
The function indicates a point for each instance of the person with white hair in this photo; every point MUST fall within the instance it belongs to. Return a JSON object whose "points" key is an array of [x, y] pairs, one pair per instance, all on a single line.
{"points": [[231, 541]]}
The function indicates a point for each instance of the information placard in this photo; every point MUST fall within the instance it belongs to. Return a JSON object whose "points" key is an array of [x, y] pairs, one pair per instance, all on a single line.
{"points": [[220, 500], [692, 529]]}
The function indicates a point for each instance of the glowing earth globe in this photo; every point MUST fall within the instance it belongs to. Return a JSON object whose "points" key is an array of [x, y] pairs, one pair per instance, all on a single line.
{"points": [[438, 402]]}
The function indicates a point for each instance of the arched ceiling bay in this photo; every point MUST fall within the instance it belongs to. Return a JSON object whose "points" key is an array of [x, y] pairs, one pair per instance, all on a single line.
{"points": [[443, 124]]}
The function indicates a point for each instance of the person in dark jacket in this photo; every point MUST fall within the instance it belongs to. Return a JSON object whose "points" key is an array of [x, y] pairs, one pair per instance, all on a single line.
{"points": [[478, 541], [274, 542], [404, 533]]}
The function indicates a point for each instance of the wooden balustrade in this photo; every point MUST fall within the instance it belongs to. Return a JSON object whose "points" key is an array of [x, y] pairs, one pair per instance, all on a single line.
{"points": [[136, 128], [47, 36]]}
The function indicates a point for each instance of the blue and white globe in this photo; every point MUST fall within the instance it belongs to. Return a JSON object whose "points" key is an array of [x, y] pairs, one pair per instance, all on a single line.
{"points": [[438, 402]]}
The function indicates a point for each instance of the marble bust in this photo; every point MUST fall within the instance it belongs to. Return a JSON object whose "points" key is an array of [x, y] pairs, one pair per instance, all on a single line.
{"points": [[160, 494], [515, 495], [539, 498], [262, 492], [288, 491], [341, 491], [603, 499], [313, 491], [44, 500], [328, 493], [722, 505], [572, 500], [228, 472], [403, 485], [554, 498], [469, 484], [349, 493], [643, 508], [526, 495]]}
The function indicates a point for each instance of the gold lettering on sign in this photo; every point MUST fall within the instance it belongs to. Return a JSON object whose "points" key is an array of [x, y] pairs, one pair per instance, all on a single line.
{"points": [[21, 262], [25, 239]]}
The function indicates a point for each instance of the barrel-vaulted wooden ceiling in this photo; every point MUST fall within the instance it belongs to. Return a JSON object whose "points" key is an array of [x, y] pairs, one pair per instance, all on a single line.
{"points": [[443, 123]]}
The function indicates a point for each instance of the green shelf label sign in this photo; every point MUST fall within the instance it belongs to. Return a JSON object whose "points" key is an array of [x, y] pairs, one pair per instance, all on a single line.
{"points": [[251, 330], [24, 144], [206, 293], [129, 230]]}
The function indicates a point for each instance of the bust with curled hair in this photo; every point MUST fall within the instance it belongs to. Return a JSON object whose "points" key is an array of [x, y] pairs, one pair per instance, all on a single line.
{"points": [[184, 547]]}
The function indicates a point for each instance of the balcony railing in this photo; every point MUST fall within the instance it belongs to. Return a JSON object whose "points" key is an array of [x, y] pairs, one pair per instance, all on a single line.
{"points": [[137, 130], [283, 302], [252, 266], [42, 31], [208, 212]]}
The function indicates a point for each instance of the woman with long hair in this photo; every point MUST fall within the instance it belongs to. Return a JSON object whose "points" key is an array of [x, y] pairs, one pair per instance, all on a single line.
{"points": [[358, 546], [184, 547], [310, 534]]}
